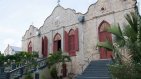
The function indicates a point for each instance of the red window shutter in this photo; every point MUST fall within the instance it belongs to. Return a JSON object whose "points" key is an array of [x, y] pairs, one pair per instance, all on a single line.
{"points": [[45, 47], [76, 40], [71, 42], [66, 41], [72, 53], [42, 46]]}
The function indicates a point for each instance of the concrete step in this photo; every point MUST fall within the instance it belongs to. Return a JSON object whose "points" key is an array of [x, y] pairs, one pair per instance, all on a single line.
{"points": [[96, 70]]}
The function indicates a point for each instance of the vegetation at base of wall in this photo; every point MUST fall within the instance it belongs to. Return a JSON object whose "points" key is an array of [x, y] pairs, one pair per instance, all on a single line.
{"points": [[54, 72], [55, 59], [28, 76], [125, 71], [126, 48], [1, 59]]}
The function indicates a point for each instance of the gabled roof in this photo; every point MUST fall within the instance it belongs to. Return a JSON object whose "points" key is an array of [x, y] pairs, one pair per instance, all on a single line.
{"points": [[14, 48]]}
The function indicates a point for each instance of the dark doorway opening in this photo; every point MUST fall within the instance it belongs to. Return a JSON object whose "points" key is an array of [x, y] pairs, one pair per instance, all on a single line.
{"points": [[59, 45]]}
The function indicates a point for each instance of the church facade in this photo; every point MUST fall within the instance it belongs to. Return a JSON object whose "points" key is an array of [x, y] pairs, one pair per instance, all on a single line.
{"points": [[77, 34]]}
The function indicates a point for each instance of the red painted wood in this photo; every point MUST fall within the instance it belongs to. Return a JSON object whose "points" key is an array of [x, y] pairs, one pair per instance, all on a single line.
{"points": [[72, 50], [30, 47], [76, 40], [109, 53], [71, 43], [45, 46], [66, 41], [103, 36], [72, 53]]}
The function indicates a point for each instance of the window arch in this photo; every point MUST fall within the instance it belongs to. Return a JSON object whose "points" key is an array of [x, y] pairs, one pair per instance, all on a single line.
{"points": [[103, 36], [71, 40], [30, 47], [57, 37], [71, 43], [57, 42]]}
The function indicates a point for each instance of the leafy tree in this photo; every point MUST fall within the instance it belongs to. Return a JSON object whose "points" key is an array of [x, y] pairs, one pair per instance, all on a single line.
{"points": [[1, 59], [55, 59]]}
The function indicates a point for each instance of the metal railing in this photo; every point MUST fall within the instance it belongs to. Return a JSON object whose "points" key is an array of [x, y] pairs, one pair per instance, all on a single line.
{"points": [[24, 69]]}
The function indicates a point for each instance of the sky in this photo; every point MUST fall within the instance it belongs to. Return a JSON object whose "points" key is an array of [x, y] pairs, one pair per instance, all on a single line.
{"points": [[17, 15]]}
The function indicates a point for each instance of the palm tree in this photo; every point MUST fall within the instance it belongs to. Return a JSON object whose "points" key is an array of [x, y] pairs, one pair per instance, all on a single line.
{"points": [[128, 38]]}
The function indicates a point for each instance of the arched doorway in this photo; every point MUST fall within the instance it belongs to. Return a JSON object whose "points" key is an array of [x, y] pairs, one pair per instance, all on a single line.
{"points": [[103, 36], [30, 47], [57, 43]]}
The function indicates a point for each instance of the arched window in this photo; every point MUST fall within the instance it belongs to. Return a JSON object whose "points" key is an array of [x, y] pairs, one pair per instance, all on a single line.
{"points": [[71, 42], [30, 47], [57, 43], [103, 36]]}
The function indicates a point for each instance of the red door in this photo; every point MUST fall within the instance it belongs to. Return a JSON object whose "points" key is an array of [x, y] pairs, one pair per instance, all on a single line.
{"points": [[103, 36], [104, 53]]}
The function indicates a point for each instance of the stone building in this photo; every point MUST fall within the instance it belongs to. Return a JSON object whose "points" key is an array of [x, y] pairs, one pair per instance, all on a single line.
{"points": [[77, 34], [11, 50]]}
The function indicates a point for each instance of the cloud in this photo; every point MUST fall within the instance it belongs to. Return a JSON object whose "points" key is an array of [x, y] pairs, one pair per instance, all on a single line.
{"points": [[7, 30]]}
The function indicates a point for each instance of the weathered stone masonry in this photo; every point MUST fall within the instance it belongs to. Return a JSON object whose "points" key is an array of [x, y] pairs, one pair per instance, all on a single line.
{"points": [[62, 30]]}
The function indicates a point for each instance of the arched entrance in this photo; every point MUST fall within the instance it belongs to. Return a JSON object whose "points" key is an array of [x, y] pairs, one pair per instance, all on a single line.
{"points": [[103, 36], [57, 43], [30, 47]]}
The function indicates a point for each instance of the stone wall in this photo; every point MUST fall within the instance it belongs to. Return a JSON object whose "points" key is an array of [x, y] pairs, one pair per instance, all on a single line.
{"points": [[111, 11]]}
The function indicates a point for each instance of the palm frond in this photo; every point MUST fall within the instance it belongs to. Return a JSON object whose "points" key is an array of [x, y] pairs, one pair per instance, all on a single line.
{"points": [[106, 44], [119, 38], [130, 33], [132, 20]]}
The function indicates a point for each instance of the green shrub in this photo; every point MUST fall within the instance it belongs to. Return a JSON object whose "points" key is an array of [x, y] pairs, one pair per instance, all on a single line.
{"points": [[28, 76], [53, 72], [125, 71]]}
